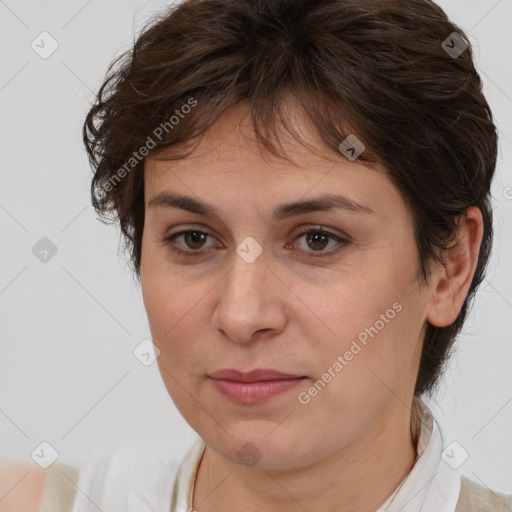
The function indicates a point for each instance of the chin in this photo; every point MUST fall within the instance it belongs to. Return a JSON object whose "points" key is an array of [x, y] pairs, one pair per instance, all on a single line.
{"points": [[261, 446]]}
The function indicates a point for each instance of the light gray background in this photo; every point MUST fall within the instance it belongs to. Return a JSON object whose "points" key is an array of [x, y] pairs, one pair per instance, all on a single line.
{"points": [[68, 326]]}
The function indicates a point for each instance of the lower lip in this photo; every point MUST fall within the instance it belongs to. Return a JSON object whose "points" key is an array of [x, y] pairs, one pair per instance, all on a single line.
{"points": [[254, 392]]}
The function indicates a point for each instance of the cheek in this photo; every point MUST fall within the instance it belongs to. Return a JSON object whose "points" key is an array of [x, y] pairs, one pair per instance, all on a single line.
{"points": [[163, 294], [372, 322], [349, 306], [170, 310], [177, 313], [172, 316]]}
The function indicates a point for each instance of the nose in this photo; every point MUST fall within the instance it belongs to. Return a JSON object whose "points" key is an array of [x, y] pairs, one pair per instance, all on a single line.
{"points": [[250, 304]]}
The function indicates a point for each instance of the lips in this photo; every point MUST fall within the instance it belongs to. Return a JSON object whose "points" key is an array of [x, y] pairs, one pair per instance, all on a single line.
{"points": [[259, 375], [253, 387]]}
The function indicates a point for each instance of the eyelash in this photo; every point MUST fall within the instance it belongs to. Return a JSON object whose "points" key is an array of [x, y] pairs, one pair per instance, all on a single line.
{"points": [[342, 242]]}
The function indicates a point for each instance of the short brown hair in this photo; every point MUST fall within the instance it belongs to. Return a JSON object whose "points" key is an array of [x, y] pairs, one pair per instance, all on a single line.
{"points": [[379, 69]]}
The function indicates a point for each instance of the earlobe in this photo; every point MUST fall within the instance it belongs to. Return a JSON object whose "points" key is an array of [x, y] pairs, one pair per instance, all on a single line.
{"points": [[451, 282]]}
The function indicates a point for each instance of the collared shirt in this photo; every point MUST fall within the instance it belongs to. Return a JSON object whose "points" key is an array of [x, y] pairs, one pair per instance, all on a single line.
{"points": [[136, 480]]}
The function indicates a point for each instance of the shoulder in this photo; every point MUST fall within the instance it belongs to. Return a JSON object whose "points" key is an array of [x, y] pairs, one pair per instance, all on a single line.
{"points": [[21, 486], [25, 487], [474, 497], [130, 478]]}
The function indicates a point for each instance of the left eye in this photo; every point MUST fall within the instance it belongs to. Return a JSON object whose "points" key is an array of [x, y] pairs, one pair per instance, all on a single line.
{"points": [[317, 239]]}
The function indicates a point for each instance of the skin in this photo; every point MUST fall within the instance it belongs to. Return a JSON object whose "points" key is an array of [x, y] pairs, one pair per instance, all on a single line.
{"points": [[21, 486], [351, 445]]}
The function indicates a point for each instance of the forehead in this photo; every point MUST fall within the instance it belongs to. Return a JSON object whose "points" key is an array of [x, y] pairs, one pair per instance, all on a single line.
{"points": [[229, 162]]}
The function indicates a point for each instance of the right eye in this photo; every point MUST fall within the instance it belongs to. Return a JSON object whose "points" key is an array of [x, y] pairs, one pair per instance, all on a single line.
{"points": [[192, 238]]}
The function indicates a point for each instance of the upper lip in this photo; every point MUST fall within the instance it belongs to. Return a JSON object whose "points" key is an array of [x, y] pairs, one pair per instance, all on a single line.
{"points": [[258, 375]]}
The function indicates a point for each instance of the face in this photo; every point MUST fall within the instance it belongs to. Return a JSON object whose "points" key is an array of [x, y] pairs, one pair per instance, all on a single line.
{"points": [[327, 296]]}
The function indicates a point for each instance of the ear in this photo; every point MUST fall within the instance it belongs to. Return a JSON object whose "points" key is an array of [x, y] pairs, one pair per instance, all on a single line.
{"points": [[452, 280]]}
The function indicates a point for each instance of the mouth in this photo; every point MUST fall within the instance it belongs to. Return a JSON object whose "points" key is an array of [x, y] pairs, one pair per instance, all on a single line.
{"points": [[254, 387]]}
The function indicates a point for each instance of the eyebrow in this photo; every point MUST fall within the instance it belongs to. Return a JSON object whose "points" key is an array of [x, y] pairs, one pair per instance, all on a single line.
{"points": [[322, 203]]}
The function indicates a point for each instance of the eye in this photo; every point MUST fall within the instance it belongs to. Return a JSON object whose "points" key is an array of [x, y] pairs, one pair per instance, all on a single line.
{"points": [[318, 239], [193, 238]]}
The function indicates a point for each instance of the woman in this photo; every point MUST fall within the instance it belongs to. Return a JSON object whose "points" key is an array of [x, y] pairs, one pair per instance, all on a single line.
{"points": [[304, 190]]}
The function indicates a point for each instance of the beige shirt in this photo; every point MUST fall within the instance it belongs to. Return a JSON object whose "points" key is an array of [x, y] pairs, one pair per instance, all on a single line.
{"points": [[136, 480]]}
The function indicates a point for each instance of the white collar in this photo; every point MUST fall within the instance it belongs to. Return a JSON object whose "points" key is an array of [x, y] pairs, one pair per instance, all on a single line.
{"points": [[431, 486]]}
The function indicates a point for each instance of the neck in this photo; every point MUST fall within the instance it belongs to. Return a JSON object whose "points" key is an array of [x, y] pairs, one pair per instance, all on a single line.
{"points": [[359, 476]]}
